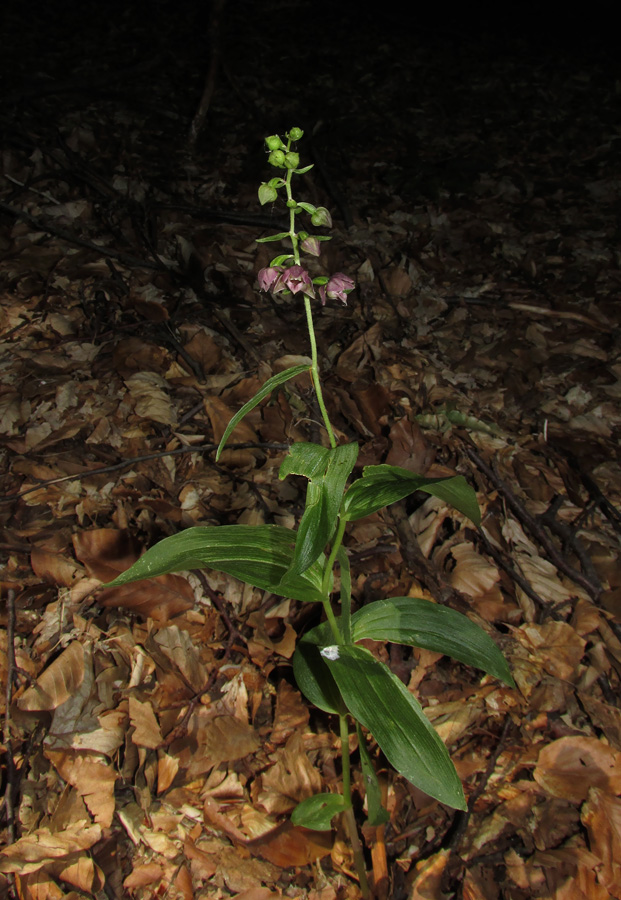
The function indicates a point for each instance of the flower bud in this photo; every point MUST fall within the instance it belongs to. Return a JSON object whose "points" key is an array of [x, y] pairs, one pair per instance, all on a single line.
{"points": [[295, 134], [321, 216], [292, 160], [311, 245], [277, 158], [273, 142], [267, 194]]}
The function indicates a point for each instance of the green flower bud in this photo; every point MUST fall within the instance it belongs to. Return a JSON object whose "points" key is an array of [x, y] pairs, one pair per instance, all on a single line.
{"points": [[292, 160], [321, 216], [295, 134], [273, 142], [291, 204], [277, 158], [267, 194]]}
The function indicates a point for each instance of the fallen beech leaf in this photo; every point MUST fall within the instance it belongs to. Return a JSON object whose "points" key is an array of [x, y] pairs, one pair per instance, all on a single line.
{"points": [[106, 552], [428, 877], [91, 777], [167, 768], [56, 568], [57, 683], [81, 872], [289, 845], [41, 846], [601, 815], [146, 728], [143, 875], [567, 768], [149, 392]]}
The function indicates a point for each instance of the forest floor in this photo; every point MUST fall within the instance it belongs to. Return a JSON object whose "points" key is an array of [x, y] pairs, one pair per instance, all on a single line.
{"points": [[154, 740]]}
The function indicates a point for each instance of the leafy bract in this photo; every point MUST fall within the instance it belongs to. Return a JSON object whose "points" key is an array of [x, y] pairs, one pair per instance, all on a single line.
{"points": [[272, 237], [383, 705], [382, 485], [421, 623], [259, 555], [271, 383], [327, 470], [317, 812]]}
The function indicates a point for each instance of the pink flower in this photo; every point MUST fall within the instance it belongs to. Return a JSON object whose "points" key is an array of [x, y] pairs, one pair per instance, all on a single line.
{"points": [[295, 279], [337, 288], [268, 277]]}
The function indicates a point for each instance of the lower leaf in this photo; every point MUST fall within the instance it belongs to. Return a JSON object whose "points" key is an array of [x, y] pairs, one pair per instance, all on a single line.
{"points": [[382, 704]]}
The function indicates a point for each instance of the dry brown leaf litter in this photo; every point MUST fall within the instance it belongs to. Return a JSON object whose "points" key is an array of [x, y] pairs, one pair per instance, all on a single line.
{"points": [[155, 743]]}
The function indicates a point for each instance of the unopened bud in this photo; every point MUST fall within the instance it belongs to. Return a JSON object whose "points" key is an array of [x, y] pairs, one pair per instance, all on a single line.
{"points": [[273, 142], [295, 134], [292, 160], [277, 158]]}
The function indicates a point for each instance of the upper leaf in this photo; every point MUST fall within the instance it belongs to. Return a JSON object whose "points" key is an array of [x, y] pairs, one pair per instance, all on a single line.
{"points": [[382, 485], [263, 392], [381, 703], [421, 623], [327, 471], [272, 237], [260, 555]]}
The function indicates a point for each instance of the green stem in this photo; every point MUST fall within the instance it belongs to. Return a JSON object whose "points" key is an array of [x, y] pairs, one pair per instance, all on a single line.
{"points": [[348, 812], [315, 372]]}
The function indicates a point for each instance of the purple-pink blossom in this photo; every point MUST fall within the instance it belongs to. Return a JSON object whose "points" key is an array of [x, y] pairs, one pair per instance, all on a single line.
{"points": [[337, 288], [295, 279], [268, 277]]}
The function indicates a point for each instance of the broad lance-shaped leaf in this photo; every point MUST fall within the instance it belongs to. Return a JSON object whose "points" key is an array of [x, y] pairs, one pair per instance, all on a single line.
{"points": [[271, 383], [327, 471], [312, 675], [317, 812], [421, 623], [259, 555], [382, 485], [382, 704]]}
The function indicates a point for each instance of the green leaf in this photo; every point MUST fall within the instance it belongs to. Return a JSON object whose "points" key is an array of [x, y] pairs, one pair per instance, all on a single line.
{"points": [[382, 485], [303, 170], [259, 555], [272, 237], [265, 390], [383, 705], [308, 207], [327, 470], [279, 260], [421, 623], [345, 617], [312, 675], [377, 814], [318, 811]]}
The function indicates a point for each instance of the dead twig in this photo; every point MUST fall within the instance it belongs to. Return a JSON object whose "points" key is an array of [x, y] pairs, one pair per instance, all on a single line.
{"points": [[126, 463], [64, 235], [592, 588]]}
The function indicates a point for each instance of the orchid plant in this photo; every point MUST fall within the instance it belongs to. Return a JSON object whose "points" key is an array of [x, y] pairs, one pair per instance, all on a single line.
{"points": [[332, 669]]}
